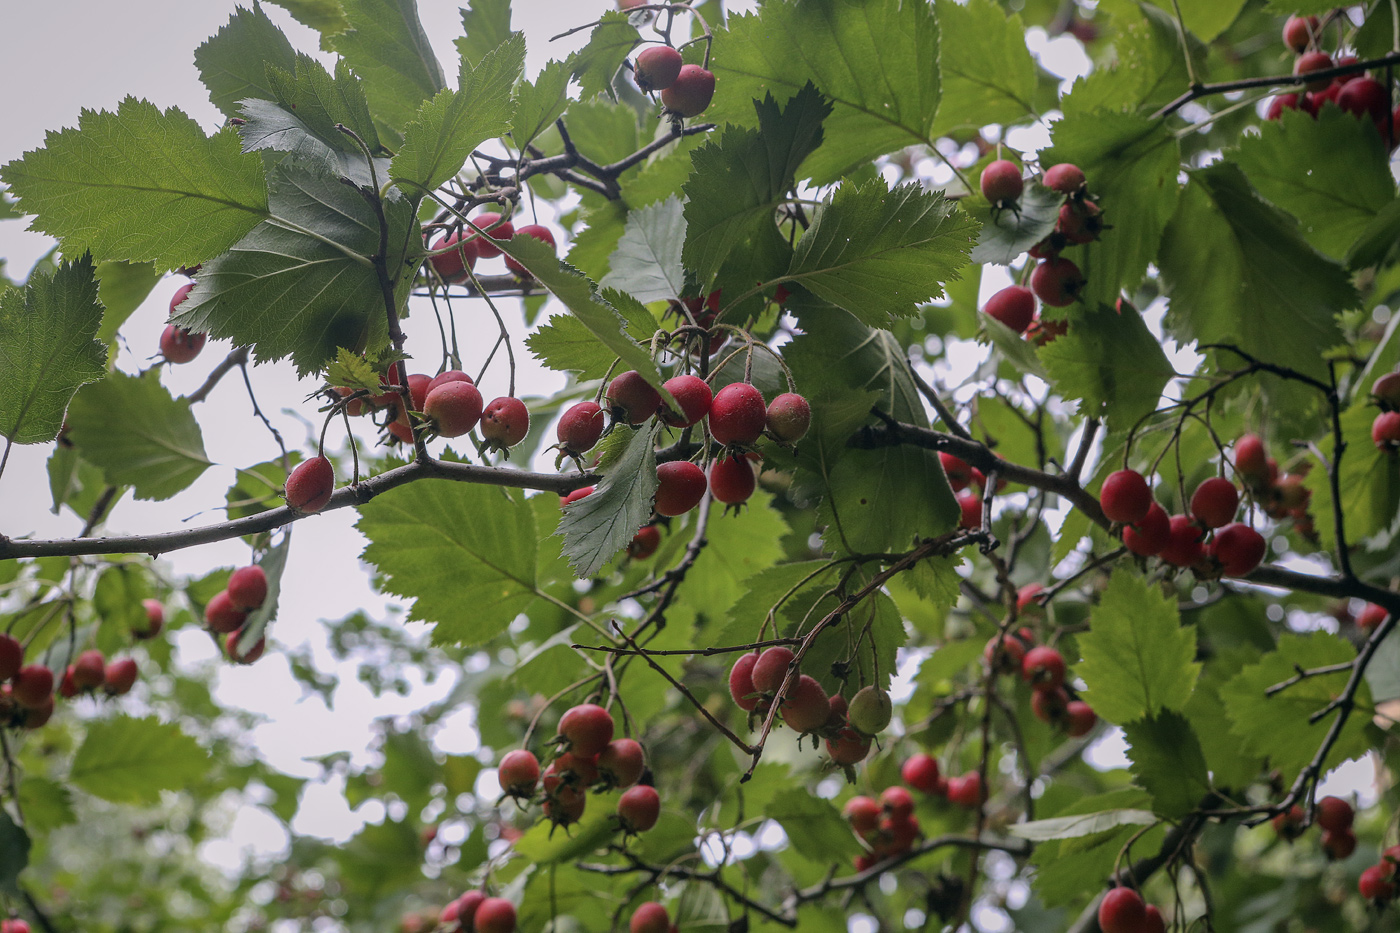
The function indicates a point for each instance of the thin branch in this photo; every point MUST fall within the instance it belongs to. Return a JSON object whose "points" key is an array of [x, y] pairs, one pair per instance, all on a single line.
{"points": [[237, 357], [1245, 84]]}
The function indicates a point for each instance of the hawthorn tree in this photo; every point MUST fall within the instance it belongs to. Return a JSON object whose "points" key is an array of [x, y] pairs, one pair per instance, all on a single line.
{"points": [[801, 604]]}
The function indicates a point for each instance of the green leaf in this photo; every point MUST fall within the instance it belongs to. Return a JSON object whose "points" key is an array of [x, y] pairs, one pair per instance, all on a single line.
{"points": [[1112, 363], [878, 253], [546, 844], [1015, 349], [121, 287], [452, 124], [988, 73], [609, 44], [1072, 827], [313, 103], [741, 546], [129, 760], [300, 284], [1137, 657], [324, 16], [1131, 164], [138, 435], [647, 261], [1150, 69], [234, 62], [598, 526], [815, 828], [73, 481], [258, 488], [485, 25], [1329, 171], [739, 180], [1277, 726], [47, 806], [539, 103], [464, 553], [141, 185], [1008, 232], [388, 49], [1238, 272], [1229, 764], [1168, 763], [47, 350], [14, 852], [352, 371], [1207, 19], [117, 599], [876, 61]]}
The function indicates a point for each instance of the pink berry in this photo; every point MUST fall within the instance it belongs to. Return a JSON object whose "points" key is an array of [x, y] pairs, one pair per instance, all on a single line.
{"points": [[921, 773], [496, 229], [505, 422], [1001, 181], [1239, 549], [453, 408], [680, 485], [588, 729], [621, 763], [1013, 306], [1309, 62], [639, 808], [737, 414], [771, 669], [518, 773], [650, 917], [178, 345], [741, 685], [89, 670], [1057, 282], [1214, 502], [657, 68], [580, 427], [1122, 911], [452, 267], [732, 480], [788, 418], [11, 656], [1065, 178], [690, 93], [222, 615], [119, 676], [1148, 536], [310, 485], [494, 915]]}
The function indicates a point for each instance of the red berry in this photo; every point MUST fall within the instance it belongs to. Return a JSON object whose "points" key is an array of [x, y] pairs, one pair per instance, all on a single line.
{"points": [[805, 706], [1125, 497], [1239, 549], [452, 267], [248, 657], [1313, 61], [466, 907], [971, 505], [1298, 32], [1371, 616], [1282, 102], [771, 668], [66, 689], [1122, 911], [1065, 178], [848, 746], [1013, 306], [565, 804], [737, 414], [178, 345], [1080, 223], [222, 615], [1385, 431], [1050, 706], [741, 686], [1366, 97], [633, 400], [657, 68], [11, 656], [494, 915], [452, 375], [89, 670], [1215, 502], [899, 833], [119, 676], [247, 587], [1043, 668], [1005, 658], [732, 480], [576, 770], [921, 773], [621, 763], [958, 472], [588, 729], [788, 418], [1001, 181], [967, 791], [639, 808], [644, 543], [33, 686], [1183, 546], [505, 422], [1042, 331], [453, 408], [650, 917], [694, 397], [577, 494], [1147, 537], [155, 620], [539, 232], [1338, 844], [1289, 824], [680, 485], [1377, 883], [1251, 460], [863, 814], [1335, 814], [310, 485], [518, 773], [1152, 921], [690, 93], [1080, 718], [1386, 391], [1057, 282], [897, 802], [496, 229], [580, 427]]}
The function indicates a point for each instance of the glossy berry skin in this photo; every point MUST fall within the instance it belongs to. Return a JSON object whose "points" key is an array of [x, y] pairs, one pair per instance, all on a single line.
{"points": [[577, 494], [1298, 32], [967, 791], [870, 711], [1334, 814], [1251, 459], [805, 706], [1313, 61], [957, 470], [771, 668], [580, 427], [737, 414], [588, 729], [1001, 181], [1013, 306], [680, 485], [33, 686], [452, 267], [1338, 844], [119, 676], [1370, 617], [155, 621], [639, 808], [518, 773], [1147, 537], [644, 543], [1238, 548], [632, 399], [310, 485], [1283, 102], [1122, 911], [897, 802], [1366, 97], [1057, 282], [971, 505], [11, 656], [694, 397], [178, 345], [690, 93], [1385, 431], [732, 480], [1065, 178], [1125, 497], [496, 229], [453, 408], [505, 422], [1377, 883], [494, 915], [650, 917], [848, 746], [741, 686], [1184, 545], [788, 418], [452, 375], [921, 773], [621, 763], [1079, 718], [1386, 391], [1152, 921], [538, 232], [1215, 502], [89, 670], [222, 615], [247, 587], [657, 68], [863, 813], [1043, 668]]}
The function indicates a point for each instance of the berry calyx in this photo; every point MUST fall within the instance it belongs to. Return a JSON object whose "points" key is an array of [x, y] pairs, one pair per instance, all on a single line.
{"points": [[631, 398], [771, 668], [1001, 181], [1013, 306], [1066, 178], [1122, 911], [694, 397], [1125, 497], [650, 917], [496, 229], [537, 231], [680, 485], [1147, 537], [741, 685], [788, 418], [737, 414], [119, 677], [452, 408], [1057, 282], [871, 710], [1043, 668], [452, 266], [494, 915], [587, 728], [1214, 502], [621, 763], [1238, 548], [310, 485], [580, 427], [732, 480], [656, 68], [639, 808], [518, 773], [921, 773], [178, 345], [690, 93], [247, 587]]}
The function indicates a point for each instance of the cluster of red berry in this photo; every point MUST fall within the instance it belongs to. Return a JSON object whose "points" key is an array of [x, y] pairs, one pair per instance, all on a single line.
{"points": [[1356, 93], [178, 345], [27, 690], [476, 912], [888, 826], [961, 478], [1335, 817], [446, 405], [454, 256], [228, 610], [1123, 910], [1043, 668], [686, 90]]}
